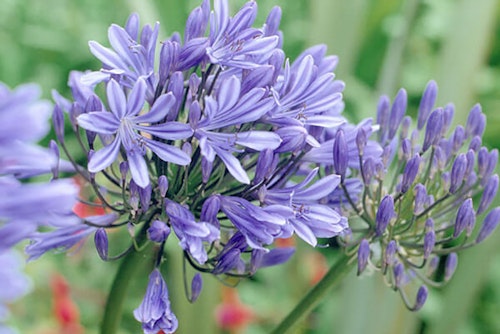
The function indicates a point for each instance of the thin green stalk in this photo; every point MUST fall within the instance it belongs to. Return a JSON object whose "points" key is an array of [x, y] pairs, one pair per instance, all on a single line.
{"points": [[131, 263], [336, 273]]}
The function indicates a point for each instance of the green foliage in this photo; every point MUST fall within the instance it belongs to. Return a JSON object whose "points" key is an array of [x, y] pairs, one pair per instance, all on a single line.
{"points": [[383, 45]]}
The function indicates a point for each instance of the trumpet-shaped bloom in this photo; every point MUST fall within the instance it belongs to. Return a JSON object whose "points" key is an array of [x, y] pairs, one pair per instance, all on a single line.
{"points": [[128, 127], [154, 312]]}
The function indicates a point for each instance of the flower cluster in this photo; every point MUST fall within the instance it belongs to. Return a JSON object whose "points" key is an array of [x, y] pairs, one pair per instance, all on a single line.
{"points": [[205, 142], [218, 141], [26, 206], [423, 195]]}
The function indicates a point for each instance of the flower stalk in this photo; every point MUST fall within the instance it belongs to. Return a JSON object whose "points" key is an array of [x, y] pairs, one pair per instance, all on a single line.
{"points": [[334, 276]]}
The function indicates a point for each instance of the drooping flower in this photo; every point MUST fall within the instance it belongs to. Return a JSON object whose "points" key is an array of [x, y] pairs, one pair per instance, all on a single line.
{"points": [[154, 312]]}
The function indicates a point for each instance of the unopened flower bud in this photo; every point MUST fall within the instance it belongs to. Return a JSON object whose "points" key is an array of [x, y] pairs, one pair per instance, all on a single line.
{"points": [[196, 286], [363, 255], [101, 243], [433, 129], [340, 156], [385, 213], [429, 242], [426, 103], [410, 173], [450, 266], [398, 111], [390, 253], [489, 193], [464, 218], [398, 271], [458, 172], [490, 223], [422, 294]]}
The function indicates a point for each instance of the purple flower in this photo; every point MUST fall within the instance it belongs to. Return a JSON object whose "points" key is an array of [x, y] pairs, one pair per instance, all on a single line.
{"points": [[131, 58], [101, 243], [231, 109], [14, 282], [233, 41], [61, 239], [154, 312], [260, 226], [427, 103], [158, 231], [311, 218], [124, 122], [192, 234]]}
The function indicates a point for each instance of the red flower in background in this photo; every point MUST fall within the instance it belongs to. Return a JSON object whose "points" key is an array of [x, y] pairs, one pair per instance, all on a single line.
{"points": [[232, 315], [64, 308]]}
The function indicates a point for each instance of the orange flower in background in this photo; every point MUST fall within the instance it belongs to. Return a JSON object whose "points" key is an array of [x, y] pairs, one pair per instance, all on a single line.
{"points": [[83, 210], [317, 267], [64, 308], [232, 315]]}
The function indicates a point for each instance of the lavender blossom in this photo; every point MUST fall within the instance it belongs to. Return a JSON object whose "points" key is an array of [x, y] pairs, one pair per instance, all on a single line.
{"points": [[154, 312], [124, 122]]}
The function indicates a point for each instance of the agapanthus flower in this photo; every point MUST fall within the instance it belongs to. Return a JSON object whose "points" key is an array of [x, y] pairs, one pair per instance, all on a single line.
{"points": [[154, 312], [125, 122]]}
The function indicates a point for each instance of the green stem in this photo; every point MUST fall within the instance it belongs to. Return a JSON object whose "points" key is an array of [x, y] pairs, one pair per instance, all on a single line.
{"points": [[336, 273], [118, 292]]}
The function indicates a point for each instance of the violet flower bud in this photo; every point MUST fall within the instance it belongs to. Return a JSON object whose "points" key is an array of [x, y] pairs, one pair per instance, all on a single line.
{"points": [[489, 193], [384, 215], [145, 197], [363, 255], [398, 271], [429, 242], [266, 163], [465, 217], [433, 129], [448, 112], [58, 121], [55, 168], [422, 294], [420, 198], [340, 154], [397, 112], [489, 224], [458, 172], [196, 287], [457, 138], [383, 117], [410, 173], [450, 266], [293, 138], [163, 185], [158, 231], [426, 103], [405, 127], [361, 139], [475, 143], [123, 170], [476, 122], [390, 253], [101, 243]]}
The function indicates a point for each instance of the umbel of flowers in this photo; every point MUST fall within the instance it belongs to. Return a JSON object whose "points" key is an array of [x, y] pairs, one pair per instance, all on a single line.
{"points": [[218, 142]]}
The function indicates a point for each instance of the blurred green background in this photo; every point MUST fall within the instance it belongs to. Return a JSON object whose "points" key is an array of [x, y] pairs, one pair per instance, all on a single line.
{"points": [[383, 45]]}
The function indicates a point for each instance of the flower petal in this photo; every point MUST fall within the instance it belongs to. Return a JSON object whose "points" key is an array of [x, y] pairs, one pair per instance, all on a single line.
{"points": [[116, 99], [99, 121], [138, 168], [160, 109], [104, 157], [168, 153]]}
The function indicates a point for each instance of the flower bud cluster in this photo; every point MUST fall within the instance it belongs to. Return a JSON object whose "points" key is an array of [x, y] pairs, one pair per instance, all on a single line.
{"points": [[417, 206]]}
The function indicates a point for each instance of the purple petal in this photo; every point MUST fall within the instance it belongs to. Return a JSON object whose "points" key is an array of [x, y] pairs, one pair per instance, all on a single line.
{"points": [[169, 130], [104, 157], [168, 153], [99, 121], [138, 168], [136, 98], [116, 99], [160, 109]]}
